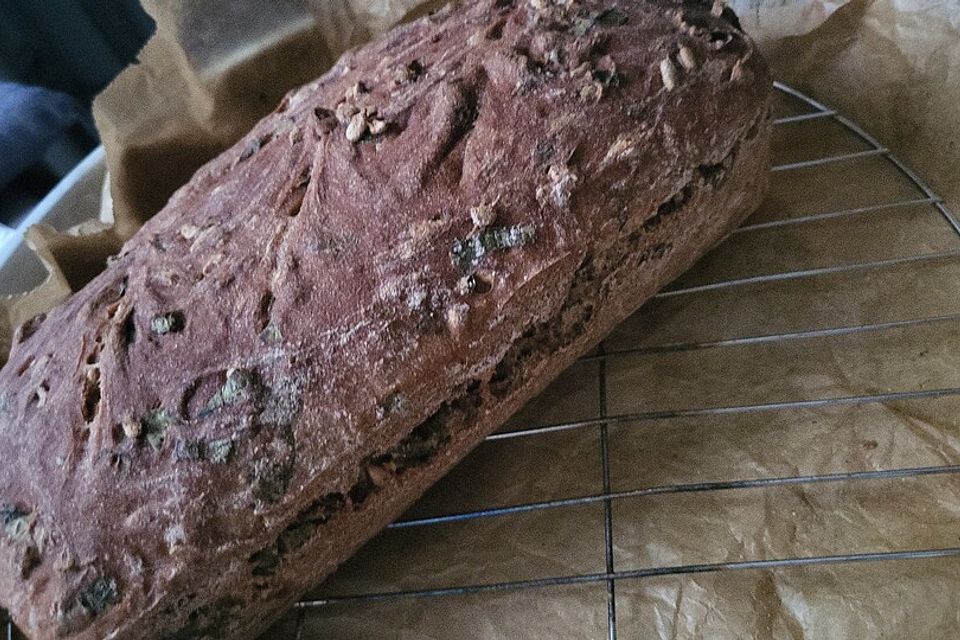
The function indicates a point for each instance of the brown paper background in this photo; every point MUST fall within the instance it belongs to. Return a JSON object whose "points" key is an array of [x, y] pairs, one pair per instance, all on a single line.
{"points": [[892, 66]]}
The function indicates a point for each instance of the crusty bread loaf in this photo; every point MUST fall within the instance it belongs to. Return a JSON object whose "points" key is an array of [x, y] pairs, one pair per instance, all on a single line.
{"points": [[333, 312]]}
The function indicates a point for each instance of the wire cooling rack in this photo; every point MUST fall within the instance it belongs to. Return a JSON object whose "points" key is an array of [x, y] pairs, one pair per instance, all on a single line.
{"points": [[434, 560]]}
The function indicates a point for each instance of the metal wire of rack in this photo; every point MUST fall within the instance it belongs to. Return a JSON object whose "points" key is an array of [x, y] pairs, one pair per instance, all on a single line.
{"points": [[605, 419]]}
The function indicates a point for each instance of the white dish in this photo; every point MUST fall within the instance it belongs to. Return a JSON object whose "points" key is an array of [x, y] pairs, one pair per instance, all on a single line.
{"points": [[75, 199]]}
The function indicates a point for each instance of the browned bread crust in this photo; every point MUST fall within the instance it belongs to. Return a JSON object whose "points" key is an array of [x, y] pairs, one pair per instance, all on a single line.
{"points": [[333, 312]]}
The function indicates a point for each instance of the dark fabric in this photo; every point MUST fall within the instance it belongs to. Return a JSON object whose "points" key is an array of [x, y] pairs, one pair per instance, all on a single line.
{"points": [[56, 55], [74, 46], [31, 119]]}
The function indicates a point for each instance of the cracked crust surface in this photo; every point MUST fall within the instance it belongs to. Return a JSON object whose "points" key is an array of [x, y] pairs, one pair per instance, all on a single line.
{"points": [[333, 312]]}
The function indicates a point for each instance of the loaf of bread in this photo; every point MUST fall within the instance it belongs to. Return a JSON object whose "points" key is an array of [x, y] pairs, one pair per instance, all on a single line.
{"points": [[333, 312]]}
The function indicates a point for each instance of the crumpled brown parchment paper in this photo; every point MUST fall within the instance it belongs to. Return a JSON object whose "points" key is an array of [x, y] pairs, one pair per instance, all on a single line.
{"points": [[890, 65]]}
